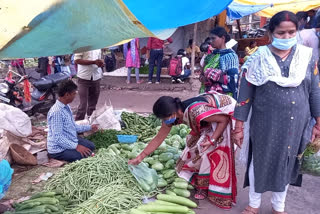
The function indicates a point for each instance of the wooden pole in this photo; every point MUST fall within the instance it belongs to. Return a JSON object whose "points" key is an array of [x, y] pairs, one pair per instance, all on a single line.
{"points": [[193, 48], [239, 28]]}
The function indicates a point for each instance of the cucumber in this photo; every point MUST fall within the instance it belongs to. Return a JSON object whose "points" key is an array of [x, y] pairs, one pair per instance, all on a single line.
{"points": [[169, 173], [162, 183], [36, 210], [157, 166], [180, 185], [28, 206], [52, 208], [164, 157], [135, 211], [169, 192], [180, 180], [165, 203], [177, 200], [144, 185], [169, 164], [44, 200], [163, 208], [190, 187], [43, 194], [170, 180], [148, 160], [182, 192]]}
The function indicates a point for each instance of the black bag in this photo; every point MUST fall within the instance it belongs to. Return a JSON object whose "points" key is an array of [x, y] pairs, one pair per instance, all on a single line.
{"points": [[110, 62], [42, 66]]}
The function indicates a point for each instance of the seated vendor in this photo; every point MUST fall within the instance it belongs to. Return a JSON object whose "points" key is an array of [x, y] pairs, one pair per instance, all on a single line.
{"points": [[63, 140], [250, 49]]}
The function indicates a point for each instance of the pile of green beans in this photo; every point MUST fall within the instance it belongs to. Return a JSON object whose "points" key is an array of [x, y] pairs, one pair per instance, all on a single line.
{"points": [[81, 179], [113, 198]]}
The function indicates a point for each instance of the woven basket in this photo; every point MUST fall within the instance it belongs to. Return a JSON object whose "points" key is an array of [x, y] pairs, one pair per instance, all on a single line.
{"points": [[22, 156]]}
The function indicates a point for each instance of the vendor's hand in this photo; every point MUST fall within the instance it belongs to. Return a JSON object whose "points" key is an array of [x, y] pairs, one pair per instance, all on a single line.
{"points": [[315, 132], [84, 151], [99, 63], [94, 127], [205, 145], [136, 161], [237, 137]]}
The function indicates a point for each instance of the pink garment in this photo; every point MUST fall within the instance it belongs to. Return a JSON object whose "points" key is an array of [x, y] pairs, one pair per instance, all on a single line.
{"points": [[129, 59], [17, 62]]}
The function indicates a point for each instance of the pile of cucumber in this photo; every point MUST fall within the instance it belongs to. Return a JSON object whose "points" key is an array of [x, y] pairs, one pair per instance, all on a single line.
{"points": [[180, 187], [166, 204], [42, 203]]}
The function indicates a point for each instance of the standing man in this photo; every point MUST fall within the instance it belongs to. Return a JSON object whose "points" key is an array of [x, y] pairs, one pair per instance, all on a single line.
{"points": [[63, 142], [155, 47], [309, 37], [302, 19], [90, 66]]}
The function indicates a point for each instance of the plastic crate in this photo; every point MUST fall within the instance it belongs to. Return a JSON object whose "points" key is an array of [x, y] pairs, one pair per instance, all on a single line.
{"points": [[127, 138]]}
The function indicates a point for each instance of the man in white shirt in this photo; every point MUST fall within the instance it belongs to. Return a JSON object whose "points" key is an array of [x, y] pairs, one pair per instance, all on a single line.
{"points": [[90, 66]]}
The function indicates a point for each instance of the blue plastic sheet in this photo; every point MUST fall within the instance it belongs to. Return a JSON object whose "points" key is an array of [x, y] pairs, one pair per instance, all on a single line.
{"points": [[237, 11], [5, 177]]}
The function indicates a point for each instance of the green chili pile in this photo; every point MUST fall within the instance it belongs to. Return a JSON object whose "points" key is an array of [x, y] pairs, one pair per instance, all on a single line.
{"points": [[104, 138], [142, 126]]}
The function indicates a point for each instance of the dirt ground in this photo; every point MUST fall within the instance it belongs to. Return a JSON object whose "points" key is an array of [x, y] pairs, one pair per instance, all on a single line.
{"points": [[303, 200]]}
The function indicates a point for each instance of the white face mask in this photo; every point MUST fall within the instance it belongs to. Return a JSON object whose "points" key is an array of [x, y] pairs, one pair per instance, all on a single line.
{"points": [[284, 44]]}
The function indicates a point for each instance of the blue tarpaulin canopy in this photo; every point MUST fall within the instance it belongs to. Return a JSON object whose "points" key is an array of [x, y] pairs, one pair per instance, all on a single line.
{"points": [[35, 28], [237, 11]]}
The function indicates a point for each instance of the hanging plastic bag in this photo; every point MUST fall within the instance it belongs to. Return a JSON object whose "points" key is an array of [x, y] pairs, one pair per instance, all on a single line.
{"points": [[311, 159], [146, 177], [5, 177], [105, 118]]}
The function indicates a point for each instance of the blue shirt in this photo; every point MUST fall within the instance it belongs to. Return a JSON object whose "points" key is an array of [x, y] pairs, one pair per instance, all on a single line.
{"points": [[63, 130]]}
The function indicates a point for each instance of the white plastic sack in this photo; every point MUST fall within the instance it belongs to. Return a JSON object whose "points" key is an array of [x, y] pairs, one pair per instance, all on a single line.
{"points": [[4, 147], [105, 118], [14, 120]]}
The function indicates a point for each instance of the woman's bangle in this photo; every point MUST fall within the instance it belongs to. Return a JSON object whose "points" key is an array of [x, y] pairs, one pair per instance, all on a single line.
{"points": [[212, 141], [238, 127]]}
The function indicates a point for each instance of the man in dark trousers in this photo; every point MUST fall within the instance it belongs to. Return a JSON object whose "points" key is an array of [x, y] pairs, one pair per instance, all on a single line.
{"points": [[90, 66], [155, 47]]}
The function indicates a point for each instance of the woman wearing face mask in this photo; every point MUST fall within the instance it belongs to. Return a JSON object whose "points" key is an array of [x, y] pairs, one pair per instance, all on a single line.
{"points": [[280, 84], [221, 69], [208, 159]]}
